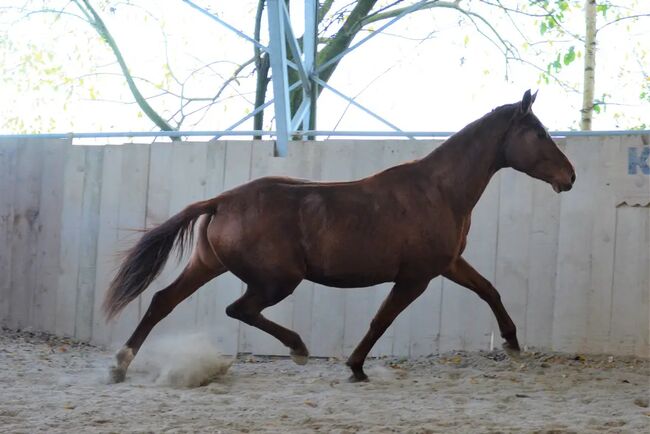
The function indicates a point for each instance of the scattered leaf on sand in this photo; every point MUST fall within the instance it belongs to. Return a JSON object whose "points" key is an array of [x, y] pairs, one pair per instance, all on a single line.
{"points": [[642, 402]]}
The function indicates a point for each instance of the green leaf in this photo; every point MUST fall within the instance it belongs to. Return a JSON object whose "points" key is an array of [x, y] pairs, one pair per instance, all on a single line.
{"points": [[596, 108], [570, 56], [543, 28]]}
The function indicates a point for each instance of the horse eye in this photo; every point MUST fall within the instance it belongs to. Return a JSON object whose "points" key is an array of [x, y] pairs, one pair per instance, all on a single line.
{"points": [[541, 134]]}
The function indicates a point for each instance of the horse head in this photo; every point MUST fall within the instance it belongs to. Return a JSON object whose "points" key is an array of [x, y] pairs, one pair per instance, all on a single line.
{"points": [[529, 148]]}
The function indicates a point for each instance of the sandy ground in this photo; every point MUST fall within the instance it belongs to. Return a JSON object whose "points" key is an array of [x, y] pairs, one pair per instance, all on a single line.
{"points": [[54, 385]]}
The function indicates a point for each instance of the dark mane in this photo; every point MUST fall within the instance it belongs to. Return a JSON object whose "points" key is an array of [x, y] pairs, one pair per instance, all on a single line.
{"points": [[501, 115]]}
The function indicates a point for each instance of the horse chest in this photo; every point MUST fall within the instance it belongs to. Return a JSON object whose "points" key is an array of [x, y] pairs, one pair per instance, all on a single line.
{"points": [[431, 248]]}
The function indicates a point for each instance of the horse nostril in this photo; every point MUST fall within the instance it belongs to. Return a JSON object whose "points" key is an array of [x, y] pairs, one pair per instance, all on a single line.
{"points": [[573, 178]]}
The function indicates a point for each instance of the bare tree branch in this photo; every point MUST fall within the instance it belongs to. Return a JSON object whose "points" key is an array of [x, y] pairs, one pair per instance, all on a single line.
{"points": [[618, 20], [102, 30], [395, 12]]}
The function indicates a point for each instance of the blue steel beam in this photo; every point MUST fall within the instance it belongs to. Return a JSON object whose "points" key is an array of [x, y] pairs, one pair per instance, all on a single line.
{"points": [[309, 59], [127, 134], [295, 50], [278, 57], [299, 117], [359, 106], [256, 111], [226, 25]]}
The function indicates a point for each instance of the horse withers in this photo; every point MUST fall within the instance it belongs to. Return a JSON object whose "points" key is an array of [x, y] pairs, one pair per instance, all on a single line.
{"points": [[407, 225]]}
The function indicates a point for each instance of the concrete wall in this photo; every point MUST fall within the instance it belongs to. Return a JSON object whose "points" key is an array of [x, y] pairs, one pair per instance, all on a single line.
{"points": [[572, 269]]}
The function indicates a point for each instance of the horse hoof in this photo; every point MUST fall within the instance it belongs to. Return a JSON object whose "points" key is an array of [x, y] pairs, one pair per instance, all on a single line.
{"points": [[512, 350], [116, 375], [299, 357], [358, 378]]}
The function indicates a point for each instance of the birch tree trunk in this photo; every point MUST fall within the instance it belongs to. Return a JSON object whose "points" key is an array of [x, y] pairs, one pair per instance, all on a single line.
{"points": [[589, 80]]}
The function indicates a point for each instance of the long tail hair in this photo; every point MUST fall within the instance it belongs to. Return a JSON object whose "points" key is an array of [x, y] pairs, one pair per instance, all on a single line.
{"points": [[146, 259]]}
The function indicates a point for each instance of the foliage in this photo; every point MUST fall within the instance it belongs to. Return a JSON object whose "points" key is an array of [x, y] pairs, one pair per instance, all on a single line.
{"points": [[100, 67]]}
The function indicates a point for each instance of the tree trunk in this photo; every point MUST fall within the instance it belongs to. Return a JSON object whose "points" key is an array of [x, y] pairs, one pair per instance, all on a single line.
{"points": [[587, 110], [262, 77], [336, 45]]}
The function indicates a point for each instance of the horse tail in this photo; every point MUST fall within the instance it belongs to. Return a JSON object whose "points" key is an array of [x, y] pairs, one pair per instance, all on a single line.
{"points": [[146, 259]]}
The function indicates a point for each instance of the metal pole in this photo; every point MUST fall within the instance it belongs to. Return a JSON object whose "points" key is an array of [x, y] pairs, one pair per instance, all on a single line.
{"points": [[359, 106], [278, 55], [226, 25], [309, 51], [295, 50], [254, 112], [128, 134]]}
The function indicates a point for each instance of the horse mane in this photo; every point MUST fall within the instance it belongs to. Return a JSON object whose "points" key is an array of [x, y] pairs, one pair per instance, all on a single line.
{"points": [[503, 113]]}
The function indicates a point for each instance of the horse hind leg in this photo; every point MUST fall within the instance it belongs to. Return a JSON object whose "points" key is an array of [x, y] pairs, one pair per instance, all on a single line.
{"points": [[248, 309], [195, 275]]}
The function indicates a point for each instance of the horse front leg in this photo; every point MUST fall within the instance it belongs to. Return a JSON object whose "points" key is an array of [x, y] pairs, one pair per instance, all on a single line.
{"points": [[402, 294], [465, 275]]}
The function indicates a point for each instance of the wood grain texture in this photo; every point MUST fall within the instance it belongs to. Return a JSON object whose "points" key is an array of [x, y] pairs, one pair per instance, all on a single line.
{"points": [[572, 269]]}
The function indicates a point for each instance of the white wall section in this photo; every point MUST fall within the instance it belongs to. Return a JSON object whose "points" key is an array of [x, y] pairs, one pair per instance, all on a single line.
{"points": [[573, 269]]}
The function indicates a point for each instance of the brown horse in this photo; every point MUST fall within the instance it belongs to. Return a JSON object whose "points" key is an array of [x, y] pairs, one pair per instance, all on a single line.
{"points": [[407, 225]]}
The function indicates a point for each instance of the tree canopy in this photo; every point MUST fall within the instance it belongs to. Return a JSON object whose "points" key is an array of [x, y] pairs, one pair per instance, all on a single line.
{"points": [[90, 53]]}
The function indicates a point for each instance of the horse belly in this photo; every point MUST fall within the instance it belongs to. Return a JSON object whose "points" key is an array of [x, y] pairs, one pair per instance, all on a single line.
{"points": [[351, 261], [348, 279]]}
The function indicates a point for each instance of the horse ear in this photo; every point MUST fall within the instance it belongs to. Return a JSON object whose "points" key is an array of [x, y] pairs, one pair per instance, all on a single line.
{"points": [[527, 102], [534, 96]]}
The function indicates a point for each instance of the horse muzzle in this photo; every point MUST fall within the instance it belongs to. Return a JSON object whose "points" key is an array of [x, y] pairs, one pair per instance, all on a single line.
{"points": [[560, 186]]}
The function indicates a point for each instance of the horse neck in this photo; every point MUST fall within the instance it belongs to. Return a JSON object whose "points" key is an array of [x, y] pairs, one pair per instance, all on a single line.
{"points": [[463, 165]]}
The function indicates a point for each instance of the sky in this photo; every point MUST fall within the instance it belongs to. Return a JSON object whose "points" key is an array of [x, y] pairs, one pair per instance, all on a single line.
{"points": [[428, 72]]}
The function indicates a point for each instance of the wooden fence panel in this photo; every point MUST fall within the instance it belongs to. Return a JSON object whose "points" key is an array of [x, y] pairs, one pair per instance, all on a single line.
{"points": [[237, 171], [328, 309], [360, 304], [303, 165], [263, 163], [8, 151], [515, 217], [107, 240], [88, 228], [542, 266], [602, 242], [574, 250], [212, 298], [186, 184], [49, 237], [572, 268], [66, 300]]}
